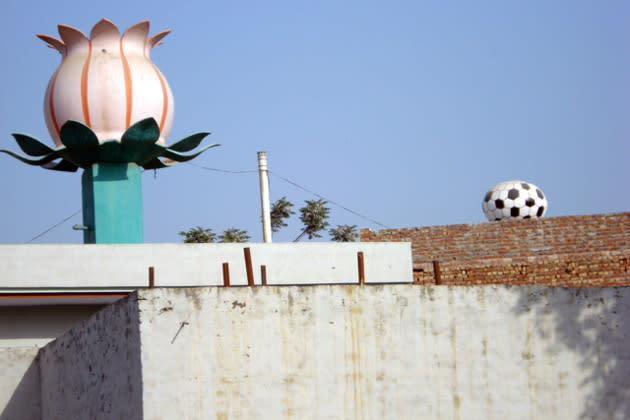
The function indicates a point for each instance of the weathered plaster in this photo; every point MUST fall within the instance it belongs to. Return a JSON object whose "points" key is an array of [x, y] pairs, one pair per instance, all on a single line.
{"points": [[344, 351], [93, 371], [386, 351]]}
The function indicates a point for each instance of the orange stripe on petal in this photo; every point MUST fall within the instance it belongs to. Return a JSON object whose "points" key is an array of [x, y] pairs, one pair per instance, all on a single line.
{"points": [[84, 86], [164, 95], [162, 84], [128, 86], [164, 103]]}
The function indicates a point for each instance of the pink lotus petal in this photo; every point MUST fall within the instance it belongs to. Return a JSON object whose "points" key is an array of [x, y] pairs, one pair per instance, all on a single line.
{"points": [[134, 37], [53, 42], [105, 31], [72, 37], [155, 39], [138, 31]]}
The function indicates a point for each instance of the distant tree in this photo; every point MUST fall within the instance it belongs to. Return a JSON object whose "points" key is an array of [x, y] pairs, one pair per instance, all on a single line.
{"points": [[234, 235], [314, 217], [344, 233], [280, 210], [198, 235]]}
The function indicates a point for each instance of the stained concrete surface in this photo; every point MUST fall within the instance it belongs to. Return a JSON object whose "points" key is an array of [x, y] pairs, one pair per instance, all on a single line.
{"points": [[339, 351]]}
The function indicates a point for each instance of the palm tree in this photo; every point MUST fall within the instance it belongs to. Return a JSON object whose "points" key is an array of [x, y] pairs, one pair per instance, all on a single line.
{"points": [[280, 210], [344, 233], [234, 235], [198, 235], [314, 217]]}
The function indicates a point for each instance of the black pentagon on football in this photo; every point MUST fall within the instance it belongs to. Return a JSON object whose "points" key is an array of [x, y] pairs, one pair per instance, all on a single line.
{"points": [[530, 202], [499, 203], [514, 211], [513, 193], [488, 195], [527, 217], [540, 194], [525, 185], [540, 211]]}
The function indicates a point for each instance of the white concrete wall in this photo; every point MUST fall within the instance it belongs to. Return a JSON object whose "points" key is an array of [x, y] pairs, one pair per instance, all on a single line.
{"points": [[371, 352], [93, 371], [20, 396], [384, 352], [126, 265]]}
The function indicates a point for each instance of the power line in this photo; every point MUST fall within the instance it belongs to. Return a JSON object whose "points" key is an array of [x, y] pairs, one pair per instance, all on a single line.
{"points": [[329, 200], [296, 185], [54, 226], [226, 171]]}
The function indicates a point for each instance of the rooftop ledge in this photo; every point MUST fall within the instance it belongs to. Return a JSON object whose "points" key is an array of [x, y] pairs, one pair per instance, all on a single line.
{"points": [[103, 272]]}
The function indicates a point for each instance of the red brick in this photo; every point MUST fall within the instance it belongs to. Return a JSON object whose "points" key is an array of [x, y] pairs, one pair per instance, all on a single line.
{"points": [[570, 251]]}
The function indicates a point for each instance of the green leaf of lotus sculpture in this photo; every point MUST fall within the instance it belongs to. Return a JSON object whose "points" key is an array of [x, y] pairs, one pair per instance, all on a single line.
{"points": [[80, 142], [188, 143], [30, 146], [145, 131], [81, 148]]}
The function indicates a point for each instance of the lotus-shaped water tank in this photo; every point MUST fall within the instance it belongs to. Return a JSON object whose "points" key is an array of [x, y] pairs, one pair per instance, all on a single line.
{"points": [[107, 82], [107, 103]]}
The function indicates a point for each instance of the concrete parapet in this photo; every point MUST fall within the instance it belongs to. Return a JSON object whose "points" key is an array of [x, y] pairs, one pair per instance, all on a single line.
{"points": [[180, 265], [341, 351]]}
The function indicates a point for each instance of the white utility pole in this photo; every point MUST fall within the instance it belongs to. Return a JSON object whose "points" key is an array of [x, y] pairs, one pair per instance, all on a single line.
{"points": [[264, 196]]}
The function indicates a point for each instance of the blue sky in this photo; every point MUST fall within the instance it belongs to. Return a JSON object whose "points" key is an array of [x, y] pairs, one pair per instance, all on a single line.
{"points": [[406, 112]]}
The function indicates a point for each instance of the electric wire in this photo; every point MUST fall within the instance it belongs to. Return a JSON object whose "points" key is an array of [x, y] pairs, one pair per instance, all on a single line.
{"points": [[227, 171], [328, 200], [54, 226], [296, 185]]}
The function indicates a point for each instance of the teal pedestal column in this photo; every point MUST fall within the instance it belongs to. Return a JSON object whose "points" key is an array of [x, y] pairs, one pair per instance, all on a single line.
{"points": [[112, 204]]}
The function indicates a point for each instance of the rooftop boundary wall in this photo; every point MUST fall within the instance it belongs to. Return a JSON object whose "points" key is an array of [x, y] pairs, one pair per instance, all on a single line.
{"points": [[98, 364], [346, 351], [572, 251], [28, 267]]}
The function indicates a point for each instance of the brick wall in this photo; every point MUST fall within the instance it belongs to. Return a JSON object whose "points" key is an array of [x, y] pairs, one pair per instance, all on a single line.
{"points": [[592, 250]]}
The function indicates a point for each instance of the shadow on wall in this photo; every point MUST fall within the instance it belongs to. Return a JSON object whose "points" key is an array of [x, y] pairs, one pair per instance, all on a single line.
{"points": [[25, 402], [595, 324], [37, 325]]}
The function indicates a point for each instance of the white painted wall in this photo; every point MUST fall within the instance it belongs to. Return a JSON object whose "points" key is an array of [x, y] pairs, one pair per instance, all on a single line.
{"points": [[386, 351], [126, 265], [20, 396], [41, 272], [93, 371]]}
